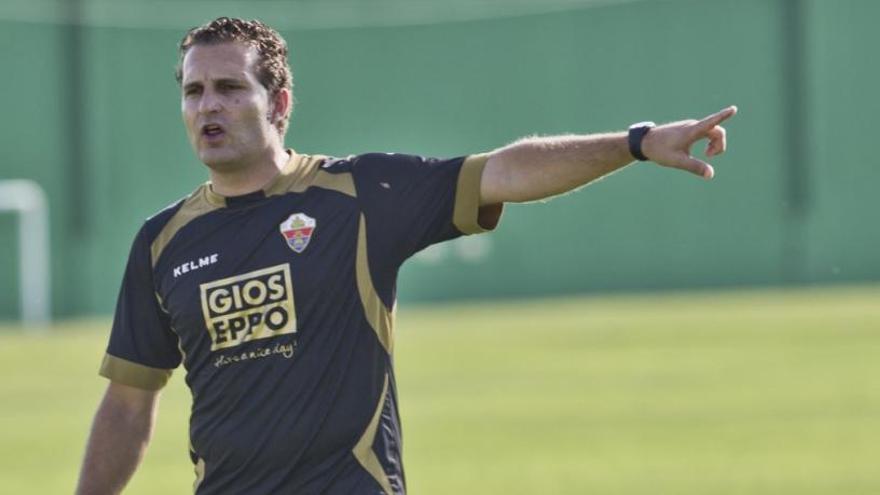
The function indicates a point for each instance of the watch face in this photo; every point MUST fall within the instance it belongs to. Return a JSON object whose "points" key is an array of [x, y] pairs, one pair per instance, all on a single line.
{"points": [[646, 123]]}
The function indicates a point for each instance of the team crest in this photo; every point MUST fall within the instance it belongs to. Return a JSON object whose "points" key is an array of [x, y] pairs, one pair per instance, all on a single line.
{"points": [[297, 231]]}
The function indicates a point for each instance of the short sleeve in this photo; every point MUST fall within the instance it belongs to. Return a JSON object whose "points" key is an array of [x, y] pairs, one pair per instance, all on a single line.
{"points": [[411, 202], [143, 349]]}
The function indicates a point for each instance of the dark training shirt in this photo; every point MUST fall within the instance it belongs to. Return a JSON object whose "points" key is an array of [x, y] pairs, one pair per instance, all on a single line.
{"points": [[280, 304]]}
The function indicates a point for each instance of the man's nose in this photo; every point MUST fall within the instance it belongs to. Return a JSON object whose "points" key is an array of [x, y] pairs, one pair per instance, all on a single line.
{"points": [[210, 102]]}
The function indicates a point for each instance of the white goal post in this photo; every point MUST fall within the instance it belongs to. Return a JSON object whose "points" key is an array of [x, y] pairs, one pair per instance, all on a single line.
{"points": [[27, 199]]}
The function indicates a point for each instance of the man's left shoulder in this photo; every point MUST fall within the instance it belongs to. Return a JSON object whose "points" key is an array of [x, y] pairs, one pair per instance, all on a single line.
{"points": [[399, 163], [337, 165]]}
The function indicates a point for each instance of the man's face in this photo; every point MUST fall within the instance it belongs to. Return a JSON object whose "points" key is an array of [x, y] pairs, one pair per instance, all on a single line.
{"points": [[227, 112]]}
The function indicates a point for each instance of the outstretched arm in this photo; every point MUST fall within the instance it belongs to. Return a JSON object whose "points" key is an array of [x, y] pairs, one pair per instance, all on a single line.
{"points": [[540, 167], [120, 434]]}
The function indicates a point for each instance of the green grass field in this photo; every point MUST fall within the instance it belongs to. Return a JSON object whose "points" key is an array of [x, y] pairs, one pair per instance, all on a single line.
{"points": [[758, 392]]}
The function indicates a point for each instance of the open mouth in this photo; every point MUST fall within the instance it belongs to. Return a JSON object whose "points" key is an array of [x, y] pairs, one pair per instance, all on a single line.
{"points": [[212, 131]]}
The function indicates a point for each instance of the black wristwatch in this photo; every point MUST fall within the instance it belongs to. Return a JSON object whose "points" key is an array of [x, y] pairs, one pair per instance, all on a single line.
{"points": [[636, 135]]}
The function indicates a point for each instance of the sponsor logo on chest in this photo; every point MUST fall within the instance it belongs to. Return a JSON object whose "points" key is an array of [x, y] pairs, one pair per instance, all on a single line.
{"points": [[298, 230], [252, 306]]}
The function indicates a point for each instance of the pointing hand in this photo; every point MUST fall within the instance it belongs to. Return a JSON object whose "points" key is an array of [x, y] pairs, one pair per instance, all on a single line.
{"points": [[670, 144]]}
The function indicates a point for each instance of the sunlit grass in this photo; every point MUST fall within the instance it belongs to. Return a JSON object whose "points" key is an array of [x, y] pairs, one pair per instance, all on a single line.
{"points": [[757, 392]]}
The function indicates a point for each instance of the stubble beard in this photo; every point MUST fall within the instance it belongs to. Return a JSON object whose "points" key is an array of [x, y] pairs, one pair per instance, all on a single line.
{"points": [[227, 159]]}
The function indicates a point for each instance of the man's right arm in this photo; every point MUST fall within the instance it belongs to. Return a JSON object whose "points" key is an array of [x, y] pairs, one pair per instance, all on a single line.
{"points": [[120, 433], [541, 167]]}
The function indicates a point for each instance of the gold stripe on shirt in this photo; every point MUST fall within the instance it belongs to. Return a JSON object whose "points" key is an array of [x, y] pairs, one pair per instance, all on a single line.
{"points": [[377, 314], [468, 216], [200, 474], [197, 204], [133, 374], [364, 452]]}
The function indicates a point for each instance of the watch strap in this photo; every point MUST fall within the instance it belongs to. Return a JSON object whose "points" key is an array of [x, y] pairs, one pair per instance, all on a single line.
{"points": [[635, 137]]}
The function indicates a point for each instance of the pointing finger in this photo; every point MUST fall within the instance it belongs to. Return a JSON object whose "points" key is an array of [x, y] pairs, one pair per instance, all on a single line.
{"points": [[716, 118]]}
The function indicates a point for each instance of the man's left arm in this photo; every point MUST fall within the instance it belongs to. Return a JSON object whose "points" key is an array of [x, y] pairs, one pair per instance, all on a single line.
{"points": [[541, 167]]}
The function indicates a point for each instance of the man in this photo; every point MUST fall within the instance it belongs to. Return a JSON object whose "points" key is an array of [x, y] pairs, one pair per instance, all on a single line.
{"points": [[274, 284]]}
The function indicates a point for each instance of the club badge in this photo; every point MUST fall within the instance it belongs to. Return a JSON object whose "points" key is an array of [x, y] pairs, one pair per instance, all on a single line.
{"points": [[297, 231]]}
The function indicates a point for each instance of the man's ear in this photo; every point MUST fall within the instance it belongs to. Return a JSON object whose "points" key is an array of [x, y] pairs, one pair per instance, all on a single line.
{"points": [[280, 106]]}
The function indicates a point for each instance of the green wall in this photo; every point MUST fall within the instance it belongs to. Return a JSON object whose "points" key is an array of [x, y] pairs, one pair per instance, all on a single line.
{"points": [[841, 234], [791, 203]]}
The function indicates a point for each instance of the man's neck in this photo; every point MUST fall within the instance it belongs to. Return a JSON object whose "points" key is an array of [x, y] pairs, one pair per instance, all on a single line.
{"points": [[253, 177]]}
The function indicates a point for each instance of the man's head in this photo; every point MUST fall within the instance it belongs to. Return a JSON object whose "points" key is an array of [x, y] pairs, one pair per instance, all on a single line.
{"points": [[234, 75]]}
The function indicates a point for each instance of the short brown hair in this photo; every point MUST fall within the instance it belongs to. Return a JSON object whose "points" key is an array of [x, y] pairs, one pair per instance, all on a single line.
{"points": [[272, 68]]}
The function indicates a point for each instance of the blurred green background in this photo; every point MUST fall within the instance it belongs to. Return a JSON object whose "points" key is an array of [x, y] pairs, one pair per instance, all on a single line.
{"points": [[92, 114], [680, 390]]}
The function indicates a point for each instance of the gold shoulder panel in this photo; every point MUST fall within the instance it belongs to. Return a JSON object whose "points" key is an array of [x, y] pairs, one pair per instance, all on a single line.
{"points": [[468, 216], [197, 204], [304, 171], [300, 170], [300, 173], [337, 182], [133, 374]]}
